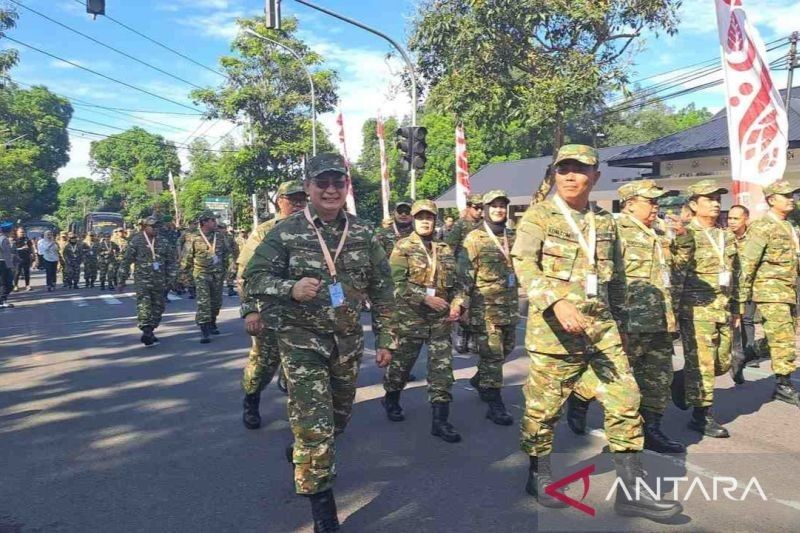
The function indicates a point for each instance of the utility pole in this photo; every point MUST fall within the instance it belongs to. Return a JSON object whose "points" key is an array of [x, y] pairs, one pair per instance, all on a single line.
{"points": [[792, 63]]}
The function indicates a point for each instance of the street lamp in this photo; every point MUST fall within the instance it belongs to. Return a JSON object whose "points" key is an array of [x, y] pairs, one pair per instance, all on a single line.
{"points": [[257, 35]]}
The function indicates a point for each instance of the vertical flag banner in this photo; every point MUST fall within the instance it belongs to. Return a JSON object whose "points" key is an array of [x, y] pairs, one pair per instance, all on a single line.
{"points": [[384, 168], [463, 187], [174, 191], [351, 202], [757, 124]]}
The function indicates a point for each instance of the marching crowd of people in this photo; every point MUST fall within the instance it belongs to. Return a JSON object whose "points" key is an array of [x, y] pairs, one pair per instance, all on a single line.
{"points": [[607, 296]]}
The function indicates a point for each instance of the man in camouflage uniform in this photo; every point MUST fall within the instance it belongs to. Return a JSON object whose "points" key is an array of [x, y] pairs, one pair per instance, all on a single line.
{"points": [[321, 338], [90, 251], [702, 281], [261, 321], [204, 260], [73, 257], [155, 267], [769, 269], [429, 300], [63, 240], [107, 252], [233, 255], [185, 280], [647, 323], [565, 255], [491, 285], [122, 243], [401, 226], [167, 231], [743, 348]]}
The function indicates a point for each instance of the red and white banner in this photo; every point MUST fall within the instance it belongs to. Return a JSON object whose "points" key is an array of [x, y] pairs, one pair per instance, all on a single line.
{"points": [[757, 125], [463, 187], [351, 202], [384, 169]]}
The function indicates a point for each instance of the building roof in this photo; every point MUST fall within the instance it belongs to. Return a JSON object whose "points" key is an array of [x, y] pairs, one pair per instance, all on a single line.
{"points": [[520, 178], [707, 139]]}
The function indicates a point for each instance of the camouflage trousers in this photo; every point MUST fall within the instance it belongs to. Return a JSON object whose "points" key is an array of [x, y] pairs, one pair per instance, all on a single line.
{"points": [[90, 271], [71, 273], [707, 354], [650, 358], [440, 364], [495, 342], [149, 304], [107, 271], [551, 379], [321, 374], [209, 297], [780, 323], [262, 361]]}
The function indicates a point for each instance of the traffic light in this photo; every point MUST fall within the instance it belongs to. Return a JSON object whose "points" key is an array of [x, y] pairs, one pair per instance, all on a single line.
{"points": [[411, 143], [273, 10], [96, 7]]}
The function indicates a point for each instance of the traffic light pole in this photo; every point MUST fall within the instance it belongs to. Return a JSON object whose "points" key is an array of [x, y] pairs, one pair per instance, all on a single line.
{"points": [[409, 66]]}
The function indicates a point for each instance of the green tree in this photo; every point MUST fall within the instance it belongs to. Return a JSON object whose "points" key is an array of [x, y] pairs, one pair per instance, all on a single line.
{"points": [[9, 56], [644, 124], [76, 198]]}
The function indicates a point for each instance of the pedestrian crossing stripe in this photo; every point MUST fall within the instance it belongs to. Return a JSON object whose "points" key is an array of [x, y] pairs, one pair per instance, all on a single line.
{"points": [[107, 298]]}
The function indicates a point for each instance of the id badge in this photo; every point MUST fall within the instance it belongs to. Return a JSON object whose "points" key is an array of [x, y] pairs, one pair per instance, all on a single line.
{"points": [[666, 279], [512, 281], [725, 278], [215, 259], [591, 284], [156, 266], [430, 291], [337, 294]]}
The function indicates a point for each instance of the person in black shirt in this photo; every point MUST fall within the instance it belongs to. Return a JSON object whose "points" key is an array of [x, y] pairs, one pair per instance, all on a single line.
{"points": [[24, 248]]}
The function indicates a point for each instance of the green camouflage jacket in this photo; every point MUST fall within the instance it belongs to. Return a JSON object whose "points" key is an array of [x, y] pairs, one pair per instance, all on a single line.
{"points": [[647, 305], [91, 251], [138, 253], [73, 253], [486, 273], [769, 263], [388, 237], [551, 266], [411, 273], [696, 293], [268, 309], [459, 232], [197, 258], [107, 252], [292, 252]]}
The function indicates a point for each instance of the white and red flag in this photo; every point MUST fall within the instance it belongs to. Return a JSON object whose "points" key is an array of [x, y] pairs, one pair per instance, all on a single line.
{"points": [[384, 168], [757, 124], [351, 202], [463, 187]]}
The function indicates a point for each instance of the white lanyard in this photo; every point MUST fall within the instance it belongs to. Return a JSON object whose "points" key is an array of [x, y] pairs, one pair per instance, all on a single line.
{"points": [[433, 262], [504, 249], [789, 229], [74, 248], [718, 248], [396, 231], [330, 261], [651, 232], [211, 248], [587, 247], [152, 244]]}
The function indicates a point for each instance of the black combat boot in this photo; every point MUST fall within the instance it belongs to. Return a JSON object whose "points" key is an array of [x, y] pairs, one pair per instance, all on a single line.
{"points": [[540, 476], [785, 391], [391, 402], [213, 329], [738, 361], [147, 336], [576, 414], [191, 293], [231, 291], [678, 389], [323, 510], [440, 427], [497, 412], [205, 334], [632, 502], [86, 284], [251, 417], [703, 421], [654, 438]]}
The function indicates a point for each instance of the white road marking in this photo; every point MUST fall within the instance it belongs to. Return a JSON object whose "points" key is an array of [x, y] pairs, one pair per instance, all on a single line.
{"points": [[80, 302], [110, 300]]}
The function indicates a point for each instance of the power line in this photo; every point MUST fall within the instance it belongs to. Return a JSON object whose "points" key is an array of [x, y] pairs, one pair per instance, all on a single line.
{"points": [[76, 65], [224, 136], [158, 43], [161, 144], [125, 54]]}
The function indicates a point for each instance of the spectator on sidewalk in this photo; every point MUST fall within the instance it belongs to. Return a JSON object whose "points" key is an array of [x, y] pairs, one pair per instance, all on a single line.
{"points": [[48, 252], [25, 253], [7, 264]]}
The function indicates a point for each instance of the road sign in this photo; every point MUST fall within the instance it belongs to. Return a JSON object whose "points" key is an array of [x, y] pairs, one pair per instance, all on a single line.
{"points": [[220, 206]]}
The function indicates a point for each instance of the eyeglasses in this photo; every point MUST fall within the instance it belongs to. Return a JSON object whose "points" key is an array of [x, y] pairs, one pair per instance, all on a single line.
{"points": [[649, 201], [325, 183], [403, 211], [475, 206]]}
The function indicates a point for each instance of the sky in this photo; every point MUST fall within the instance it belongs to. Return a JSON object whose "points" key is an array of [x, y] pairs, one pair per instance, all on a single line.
{"points": [[202, 30]]}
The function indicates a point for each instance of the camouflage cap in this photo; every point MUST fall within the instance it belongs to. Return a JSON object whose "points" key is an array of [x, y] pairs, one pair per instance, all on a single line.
{"points": [[405, 202], [206, 215], [290, 187], [424, 205], [705, 188], [643, 188], [491, 196], [577, 152], [780, 187], [475, 199], [149, 221], [326, 162]]}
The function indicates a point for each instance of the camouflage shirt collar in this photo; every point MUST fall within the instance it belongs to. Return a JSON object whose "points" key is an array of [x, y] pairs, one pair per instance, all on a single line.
{"points": [[338, 221]]}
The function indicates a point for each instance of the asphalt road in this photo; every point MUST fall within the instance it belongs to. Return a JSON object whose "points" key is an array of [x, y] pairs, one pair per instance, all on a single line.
{"points": [[99, 433]]}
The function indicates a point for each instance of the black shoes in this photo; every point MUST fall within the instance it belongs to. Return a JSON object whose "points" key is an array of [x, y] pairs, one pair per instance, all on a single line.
{"points": [[391, 403], [497, 412], [654, 439], [540, 476], [703, 421], [205, 333], [147, 338], [632, 502], [323, 510], [576, 414], [440, 427], [251, 417], [213, 329], [785, 391]]}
